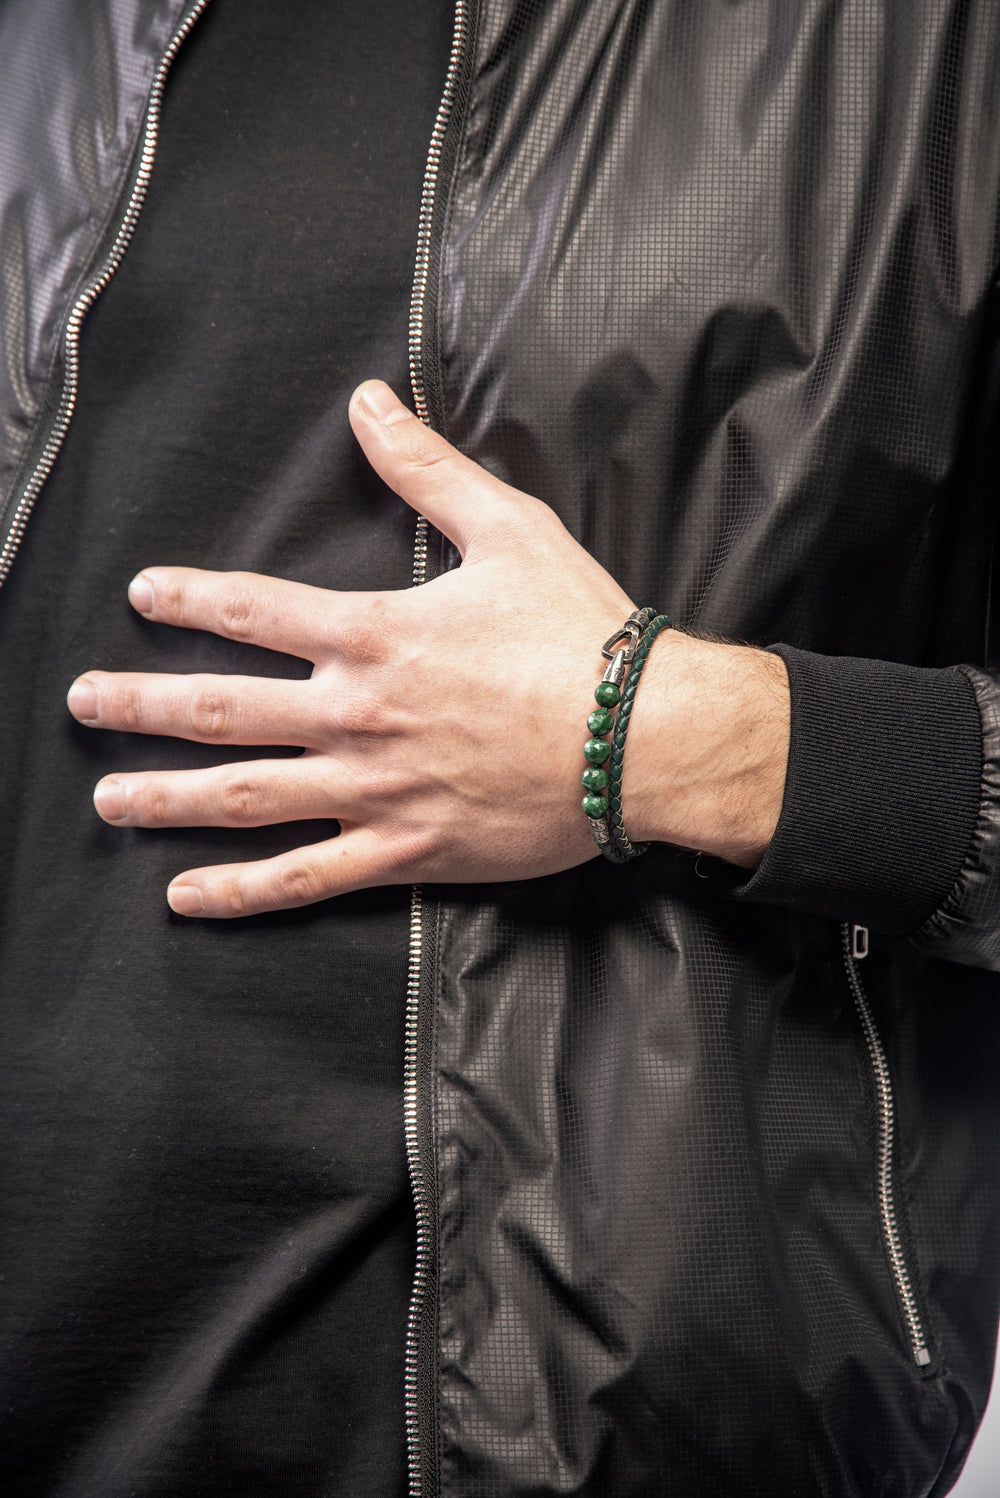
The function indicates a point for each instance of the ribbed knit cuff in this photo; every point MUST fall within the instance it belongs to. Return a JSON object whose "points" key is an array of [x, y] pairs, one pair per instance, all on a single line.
{"points": [[881, 795]]}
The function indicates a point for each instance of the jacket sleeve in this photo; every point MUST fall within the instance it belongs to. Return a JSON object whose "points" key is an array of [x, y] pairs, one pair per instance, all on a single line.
{"points": [[891, 814], [966, 925]]}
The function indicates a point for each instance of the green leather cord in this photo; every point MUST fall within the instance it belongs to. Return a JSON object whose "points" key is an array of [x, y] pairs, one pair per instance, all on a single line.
{"points": [[621, 848]]}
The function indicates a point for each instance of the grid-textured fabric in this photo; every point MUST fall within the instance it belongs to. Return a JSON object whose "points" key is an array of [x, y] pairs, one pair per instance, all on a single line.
{"points": [[716, 282]]}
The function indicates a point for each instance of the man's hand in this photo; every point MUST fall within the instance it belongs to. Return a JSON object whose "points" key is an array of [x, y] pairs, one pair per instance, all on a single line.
{"points": [[442, 726]]}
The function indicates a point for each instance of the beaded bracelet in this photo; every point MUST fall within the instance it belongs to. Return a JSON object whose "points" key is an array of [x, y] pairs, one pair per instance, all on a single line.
{"points": [[604, 811]]}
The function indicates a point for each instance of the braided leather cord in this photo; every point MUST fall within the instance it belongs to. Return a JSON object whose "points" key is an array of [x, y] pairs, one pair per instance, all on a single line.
{"points": [[602, 837], [624, 849]]}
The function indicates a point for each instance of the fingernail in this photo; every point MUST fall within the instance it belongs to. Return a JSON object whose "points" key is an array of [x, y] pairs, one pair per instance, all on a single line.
{"points": [[81, 699], [185, 899], [380, 403], [109, 799], [140, 594]]}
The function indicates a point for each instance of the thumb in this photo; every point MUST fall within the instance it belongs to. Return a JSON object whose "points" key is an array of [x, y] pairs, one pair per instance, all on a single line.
{"points": [[459, 498]]}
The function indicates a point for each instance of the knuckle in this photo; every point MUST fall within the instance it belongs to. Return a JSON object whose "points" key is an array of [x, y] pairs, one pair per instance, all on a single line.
{"points": [[388, 785], [151, 806], [242, 802], [360, 717], [365, 633], [525, 524], [409, 851], [353, 639], [422, 449], [129, 708], [537, 514], [299, 883], [170, 597], [431, 462], [241, 613], [232, 898], [211, 714]]}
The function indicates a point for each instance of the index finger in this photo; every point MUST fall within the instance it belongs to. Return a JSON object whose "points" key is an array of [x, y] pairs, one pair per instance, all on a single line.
{"points": [[293, 618]]}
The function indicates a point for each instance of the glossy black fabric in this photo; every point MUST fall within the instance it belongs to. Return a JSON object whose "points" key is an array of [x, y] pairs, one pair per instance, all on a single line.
{"points": [[971, 907], [76, 85], [717, 281], [206, 1223]]}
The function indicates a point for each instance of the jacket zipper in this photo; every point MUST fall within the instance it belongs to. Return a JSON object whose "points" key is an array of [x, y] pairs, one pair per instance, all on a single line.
{"points": [[855, 949], [421, 1349], [421, 298], [86, 299]]}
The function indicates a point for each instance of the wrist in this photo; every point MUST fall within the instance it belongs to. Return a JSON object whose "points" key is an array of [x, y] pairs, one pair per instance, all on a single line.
{"points": [[708, 748]]}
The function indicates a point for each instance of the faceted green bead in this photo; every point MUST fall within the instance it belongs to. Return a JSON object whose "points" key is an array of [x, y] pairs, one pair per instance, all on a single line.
{"points": [[601, 721], [596, 750], [608, 693], [595, 806], [594, 778]]}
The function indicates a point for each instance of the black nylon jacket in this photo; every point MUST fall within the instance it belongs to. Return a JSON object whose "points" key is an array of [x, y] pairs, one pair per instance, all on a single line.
{"points": [[706, 1175]]}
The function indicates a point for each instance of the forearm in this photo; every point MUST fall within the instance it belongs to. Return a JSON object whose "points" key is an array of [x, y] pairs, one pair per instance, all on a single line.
{"points": [[855, 789], [707, 748]]}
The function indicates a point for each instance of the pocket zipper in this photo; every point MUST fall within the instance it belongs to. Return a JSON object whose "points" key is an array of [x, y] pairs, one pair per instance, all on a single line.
{"points": [[855, 949]]}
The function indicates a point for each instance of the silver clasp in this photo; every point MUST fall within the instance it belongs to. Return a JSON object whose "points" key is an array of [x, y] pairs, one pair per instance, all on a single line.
{"points": [[631, 631], [616, 670]]}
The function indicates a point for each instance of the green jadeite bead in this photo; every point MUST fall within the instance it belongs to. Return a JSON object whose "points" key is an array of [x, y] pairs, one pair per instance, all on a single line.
{"points": [[595, 806], [596, 750], [601, 721], [608, 693], [594, 778]]}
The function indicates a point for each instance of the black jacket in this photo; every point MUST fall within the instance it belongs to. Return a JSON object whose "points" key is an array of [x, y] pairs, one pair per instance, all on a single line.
{"points": [[705, 1170]]}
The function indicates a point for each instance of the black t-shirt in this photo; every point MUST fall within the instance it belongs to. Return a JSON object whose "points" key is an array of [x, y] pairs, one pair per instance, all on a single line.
{"points": [[207, 1235]]}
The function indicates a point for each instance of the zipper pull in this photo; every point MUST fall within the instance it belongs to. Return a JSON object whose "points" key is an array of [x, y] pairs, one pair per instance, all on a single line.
{"points": [[859, 942]]}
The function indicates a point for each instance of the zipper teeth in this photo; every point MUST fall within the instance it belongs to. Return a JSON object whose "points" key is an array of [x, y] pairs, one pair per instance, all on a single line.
{"points": [[419, 574], [421, 272], [87, 298], [428, 203], [886, 1142], [418, 301], [420, 1186]]}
